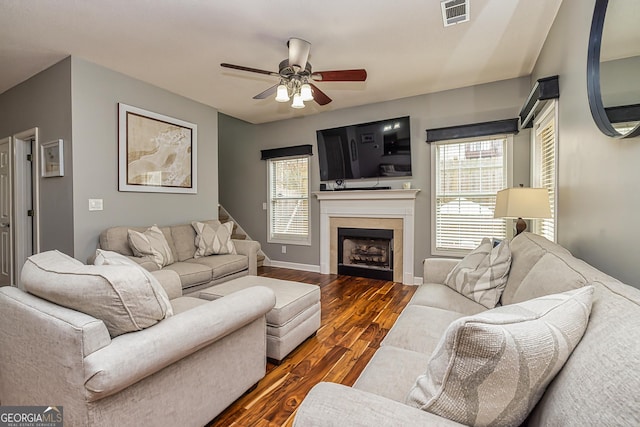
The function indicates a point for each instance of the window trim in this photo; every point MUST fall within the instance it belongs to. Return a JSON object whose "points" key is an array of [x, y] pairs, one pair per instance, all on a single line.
{"points": [[291, 239], [540, 121], [509, 173]]}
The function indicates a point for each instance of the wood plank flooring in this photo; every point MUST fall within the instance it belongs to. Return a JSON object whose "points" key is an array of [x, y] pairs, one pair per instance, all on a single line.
{"points": [[357, 313]]}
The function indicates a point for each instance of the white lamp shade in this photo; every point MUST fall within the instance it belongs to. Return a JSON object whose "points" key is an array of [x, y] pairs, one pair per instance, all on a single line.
{"points": [[297, 101], [521, 202], [305, 92], [282, 95]]}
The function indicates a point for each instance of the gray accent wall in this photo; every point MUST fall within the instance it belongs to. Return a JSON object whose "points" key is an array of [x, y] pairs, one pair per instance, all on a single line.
{"points": [[44, 101], [243, 176], [598, 197], [96, 93]]}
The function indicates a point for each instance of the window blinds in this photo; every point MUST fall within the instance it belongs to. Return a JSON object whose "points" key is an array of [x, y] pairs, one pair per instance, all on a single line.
{"points": [[289, 199], [546, 171], [468, 176]]}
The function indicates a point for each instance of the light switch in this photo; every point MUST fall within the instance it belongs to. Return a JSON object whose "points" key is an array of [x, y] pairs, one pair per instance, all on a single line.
{"points": [[264, 206], [95, 204]]}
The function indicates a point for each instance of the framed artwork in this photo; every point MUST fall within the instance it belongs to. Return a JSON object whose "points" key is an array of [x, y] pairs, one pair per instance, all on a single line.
{"points": [[156, 153], [52, 163]]}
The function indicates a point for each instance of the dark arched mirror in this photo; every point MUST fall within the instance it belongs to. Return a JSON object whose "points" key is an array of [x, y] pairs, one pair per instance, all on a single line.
{"points": [[613, 68]]}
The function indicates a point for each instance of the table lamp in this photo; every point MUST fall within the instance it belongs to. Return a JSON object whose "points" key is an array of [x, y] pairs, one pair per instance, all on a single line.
{"points": [[522, 202]]}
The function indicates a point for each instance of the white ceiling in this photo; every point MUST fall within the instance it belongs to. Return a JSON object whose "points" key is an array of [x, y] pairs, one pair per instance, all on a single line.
{"points": [[179, 44]]}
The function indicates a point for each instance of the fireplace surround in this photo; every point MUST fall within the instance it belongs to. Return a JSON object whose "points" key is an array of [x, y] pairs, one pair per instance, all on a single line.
{"points": [[390, 209]]}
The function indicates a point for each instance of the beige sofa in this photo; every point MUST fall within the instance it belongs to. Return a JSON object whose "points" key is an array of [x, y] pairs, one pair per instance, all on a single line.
{"points": [[598, 384], [195, 274], [183, 370]]}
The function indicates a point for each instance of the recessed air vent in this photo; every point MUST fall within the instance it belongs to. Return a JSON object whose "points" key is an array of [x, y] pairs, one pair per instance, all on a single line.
{"points": [[454, 11]]}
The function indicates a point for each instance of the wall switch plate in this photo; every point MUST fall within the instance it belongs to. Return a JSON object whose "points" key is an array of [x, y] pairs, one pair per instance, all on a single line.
{"points": [[264, 206], [95, 204], [284, 249]]}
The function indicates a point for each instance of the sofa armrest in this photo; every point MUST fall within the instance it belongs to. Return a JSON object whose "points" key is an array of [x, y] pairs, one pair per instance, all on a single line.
{"points": [[437, 269], [329, 404], [170, 281], [136, 355], [249, 248]]}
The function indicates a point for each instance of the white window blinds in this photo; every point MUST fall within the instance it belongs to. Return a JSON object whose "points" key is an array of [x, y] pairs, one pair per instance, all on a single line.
{"points": [[467, 177], [289, 200], [544, 169]]}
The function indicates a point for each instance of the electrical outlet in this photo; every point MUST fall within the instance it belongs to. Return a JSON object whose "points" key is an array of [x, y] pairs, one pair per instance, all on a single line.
{"points": [[95, 204], [284, 249]]}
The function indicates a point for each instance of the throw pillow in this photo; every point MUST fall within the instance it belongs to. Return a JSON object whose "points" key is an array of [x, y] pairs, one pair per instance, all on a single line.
{"points": [[213, 241], [493, 367], [113, 258], [119, 295], [153, 243], [482, 274]]}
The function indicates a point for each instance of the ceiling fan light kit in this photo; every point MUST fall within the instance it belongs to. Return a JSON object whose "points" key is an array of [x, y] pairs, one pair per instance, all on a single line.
{"points": [[295, 73]]}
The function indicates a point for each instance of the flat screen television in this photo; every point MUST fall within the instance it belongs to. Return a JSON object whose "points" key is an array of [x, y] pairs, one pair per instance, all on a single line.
{"points": [[367, 150]]}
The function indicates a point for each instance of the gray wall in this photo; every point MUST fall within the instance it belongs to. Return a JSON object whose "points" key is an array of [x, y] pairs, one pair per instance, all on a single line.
{"points": [[44, 101], [598, 197], [243, 175], [96, 94]]}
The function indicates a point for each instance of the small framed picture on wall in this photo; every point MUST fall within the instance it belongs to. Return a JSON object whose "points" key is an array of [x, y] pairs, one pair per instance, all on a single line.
{"points": [[52, 160]]}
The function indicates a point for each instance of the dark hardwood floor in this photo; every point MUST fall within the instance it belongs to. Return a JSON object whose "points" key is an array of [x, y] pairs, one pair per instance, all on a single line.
{"points": [[357, 313]]}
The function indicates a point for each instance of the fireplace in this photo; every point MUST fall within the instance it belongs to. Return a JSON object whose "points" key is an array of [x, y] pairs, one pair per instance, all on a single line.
{"points": [[365, 252]]}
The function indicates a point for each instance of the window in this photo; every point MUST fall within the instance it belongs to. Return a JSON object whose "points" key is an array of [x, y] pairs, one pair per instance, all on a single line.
{"points": [[289, 200], [543, 167], [466, 177]]}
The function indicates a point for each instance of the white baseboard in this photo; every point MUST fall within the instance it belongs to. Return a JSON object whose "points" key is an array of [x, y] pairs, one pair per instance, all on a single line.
{"points": [[417, 280], [295, 266]]}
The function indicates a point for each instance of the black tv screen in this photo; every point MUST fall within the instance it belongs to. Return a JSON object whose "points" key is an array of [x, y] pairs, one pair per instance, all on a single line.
{"points": [[367, 150]]}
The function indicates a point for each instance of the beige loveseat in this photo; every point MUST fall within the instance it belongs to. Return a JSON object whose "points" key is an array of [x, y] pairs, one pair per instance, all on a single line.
{"points": [[183, 370], [195, 274], [597, 386]]}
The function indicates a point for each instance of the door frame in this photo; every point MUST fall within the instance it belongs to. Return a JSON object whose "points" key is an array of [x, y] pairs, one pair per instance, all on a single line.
{"points": [[20, 195]]}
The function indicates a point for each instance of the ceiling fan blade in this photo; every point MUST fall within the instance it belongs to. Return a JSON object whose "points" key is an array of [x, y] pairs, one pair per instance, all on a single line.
{"points": [[267, 93], [319, 96], [358, 75], [251, 70], [298, 52]]}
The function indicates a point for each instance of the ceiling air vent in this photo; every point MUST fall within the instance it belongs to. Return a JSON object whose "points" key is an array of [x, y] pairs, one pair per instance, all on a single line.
{"points": [[454, 11]]}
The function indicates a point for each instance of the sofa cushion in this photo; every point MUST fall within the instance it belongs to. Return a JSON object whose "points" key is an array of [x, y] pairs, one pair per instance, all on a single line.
{"points": [[119, 295], [191, 274], [113, 258], [492, 368], [222, 265], [213, 240], [391, 372], [419, 328], [482, 274], [153, 243]]}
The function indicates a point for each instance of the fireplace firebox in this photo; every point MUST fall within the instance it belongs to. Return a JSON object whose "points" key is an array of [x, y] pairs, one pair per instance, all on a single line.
{"points": [[365, 252]]}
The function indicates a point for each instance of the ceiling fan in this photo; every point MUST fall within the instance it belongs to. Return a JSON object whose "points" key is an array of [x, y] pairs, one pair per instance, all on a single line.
{"points": [[295, 74]]}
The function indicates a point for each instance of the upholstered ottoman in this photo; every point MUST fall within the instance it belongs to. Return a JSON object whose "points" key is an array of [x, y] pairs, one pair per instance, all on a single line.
{"points": [[295, 317]]}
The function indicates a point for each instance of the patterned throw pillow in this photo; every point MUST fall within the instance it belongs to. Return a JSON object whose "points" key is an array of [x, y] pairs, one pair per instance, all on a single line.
{"points": [[210, 241], [493, 367], [153, 243], [114, 258], [482, 274]]}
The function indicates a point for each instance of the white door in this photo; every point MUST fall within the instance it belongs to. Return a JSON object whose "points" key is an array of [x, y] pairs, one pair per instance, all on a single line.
{"points": [[6, 208]]}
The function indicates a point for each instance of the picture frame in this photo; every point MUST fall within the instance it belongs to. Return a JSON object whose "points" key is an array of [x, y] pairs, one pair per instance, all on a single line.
{"points": [[52, 158], [156, 153]]}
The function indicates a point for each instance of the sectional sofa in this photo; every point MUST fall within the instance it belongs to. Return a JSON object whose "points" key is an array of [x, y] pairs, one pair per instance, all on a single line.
{"points": [[418, 375]]}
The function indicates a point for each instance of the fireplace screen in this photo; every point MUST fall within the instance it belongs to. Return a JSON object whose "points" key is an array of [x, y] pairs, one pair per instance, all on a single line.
{"points": [[365, 252]]}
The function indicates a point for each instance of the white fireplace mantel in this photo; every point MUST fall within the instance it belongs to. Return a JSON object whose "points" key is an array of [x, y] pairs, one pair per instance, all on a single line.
{"points": [[369, 204]]}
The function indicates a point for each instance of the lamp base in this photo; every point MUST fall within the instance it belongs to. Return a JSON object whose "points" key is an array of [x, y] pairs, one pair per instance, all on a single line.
{"points": [[520, 226]]}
